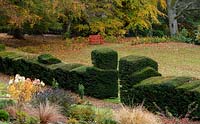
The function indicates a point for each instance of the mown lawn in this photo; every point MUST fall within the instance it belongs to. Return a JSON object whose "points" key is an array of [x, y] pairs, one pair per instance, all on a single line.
{"points": [[175, 59]]}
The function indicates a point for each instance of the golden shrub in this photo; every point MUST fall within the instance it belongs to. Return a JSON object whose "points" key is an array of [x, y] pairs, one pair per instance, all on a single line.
{"points": [[22, 90]]}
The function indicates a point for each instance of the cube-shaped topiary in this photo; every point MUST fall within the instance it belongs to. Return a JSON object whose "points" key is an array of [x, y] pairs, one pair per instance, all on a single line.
{"points": [[2, 47], [48, 59], [104, 58]]}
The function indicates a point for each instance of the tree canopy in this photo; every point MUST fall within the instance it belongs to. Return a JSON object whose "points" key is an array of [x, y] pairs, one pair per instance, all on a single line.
{"points": [[85, 17]]}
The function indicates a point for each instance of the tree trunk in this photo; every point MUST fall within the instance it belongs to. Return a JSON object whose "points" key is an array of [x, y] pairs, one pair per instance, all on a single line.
{"points": [[173, 24]]}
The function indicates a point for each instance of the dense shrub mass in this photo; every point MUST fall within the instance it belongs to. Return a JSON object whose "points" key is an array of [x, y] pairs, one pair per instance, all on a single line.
{"points": [[131, 64], [62, 75], [48, 59], [172, 93], [4, 115], [98, 82], [104, 58], [6, 62], [142, 74], [2, 47], [133, 69]]}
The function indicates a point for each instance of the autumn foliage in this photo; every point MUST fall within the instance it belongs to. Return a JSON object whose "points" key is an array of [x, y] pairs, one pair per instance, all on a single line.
{"points": [[21, 89]]}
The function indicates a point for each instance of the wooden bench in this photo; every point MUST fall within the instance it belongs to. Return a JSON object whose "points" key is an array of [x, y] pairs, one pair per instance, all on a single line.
{"points": [[96, 39]]}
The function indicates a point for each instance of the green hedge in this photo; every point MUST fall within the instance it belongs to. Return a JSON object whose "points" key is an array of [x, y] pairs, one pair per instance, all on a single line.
{"points": [[99, 83], [104, 58], [48, 59], [133, 69], [6, 62], [63, 76], [131, 64], [138, 76], [175, 93], [2, 47]]}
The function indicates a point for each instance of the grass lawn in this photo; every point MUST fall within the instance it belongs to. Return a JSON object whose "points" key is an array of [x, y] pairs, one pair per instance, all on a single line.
{"points": [[175, 59]]}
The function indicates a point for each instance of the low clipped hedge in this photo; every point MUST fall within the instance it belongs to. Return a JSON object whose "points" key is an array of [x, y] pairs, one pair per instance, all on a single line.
{"points": [[2, 47], [131, 64], [133, 69], [173, 93], [140, 75], [6, 62], [98, 83], [104, 58], [48, 59], [62, 75]]}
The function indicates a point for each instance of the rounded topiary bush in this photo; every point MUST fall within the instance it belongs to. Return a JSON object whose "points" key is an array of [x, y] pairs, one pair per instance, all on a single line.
{"points": [[48, 59], [4, 115], [2, 47], [104, 58]]}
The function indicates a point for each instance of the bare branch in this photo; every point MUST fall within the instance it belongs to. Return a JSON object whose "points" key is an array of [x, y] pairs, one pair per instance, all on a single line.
{"points": [[183, 9], [176, 3]]}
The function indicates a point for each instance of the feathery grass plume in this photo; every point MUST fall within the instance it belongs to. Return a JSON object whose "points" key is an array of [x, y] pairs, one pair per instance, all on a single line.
{"points": [[136, 115], [49, 113]]}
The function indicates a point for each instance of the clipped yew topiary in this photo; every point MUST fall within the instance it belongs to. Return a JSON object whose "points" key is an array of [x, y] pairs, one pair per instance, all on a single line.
{"points": [[172, 93], [2, 47], [63, 76], [140, 75], [131, 64], [104, 58], [133, 69], [6, 62], [98, 83], [48, 59]]}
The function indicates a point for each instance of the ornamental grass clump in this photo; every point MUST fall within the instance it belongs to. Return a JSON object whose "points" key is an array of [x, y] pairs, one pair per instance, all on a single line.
{"points": [[136, 115], [21, 89], [49, 113]]}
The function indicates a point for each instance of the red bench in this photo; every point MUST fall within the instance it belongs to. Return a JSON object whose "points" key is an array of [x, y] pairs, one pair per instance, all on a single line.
{"points": [[96, 39]]}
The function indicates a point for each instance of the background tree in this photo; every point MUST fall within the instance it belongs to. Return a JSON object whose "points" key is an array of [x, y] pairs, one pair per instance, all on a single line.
{"points": [[29, 15], [16, 13], [176, 8]]}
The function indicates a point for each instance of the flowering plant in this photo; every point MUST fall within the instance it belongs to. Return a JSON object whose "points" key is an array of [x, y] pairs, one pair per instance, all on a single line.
{"points": [[22, 89]]}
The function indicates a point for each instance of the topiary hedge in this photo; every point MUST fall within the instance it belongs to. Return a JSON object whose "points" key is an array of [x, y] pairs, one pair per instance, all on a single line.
{"points": [[173, 93], [140, 75], [99, 83], [2, 47], [48, 59], [62, 75], [104, 58], [131, 64], [133, 69], [6, 62]]}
